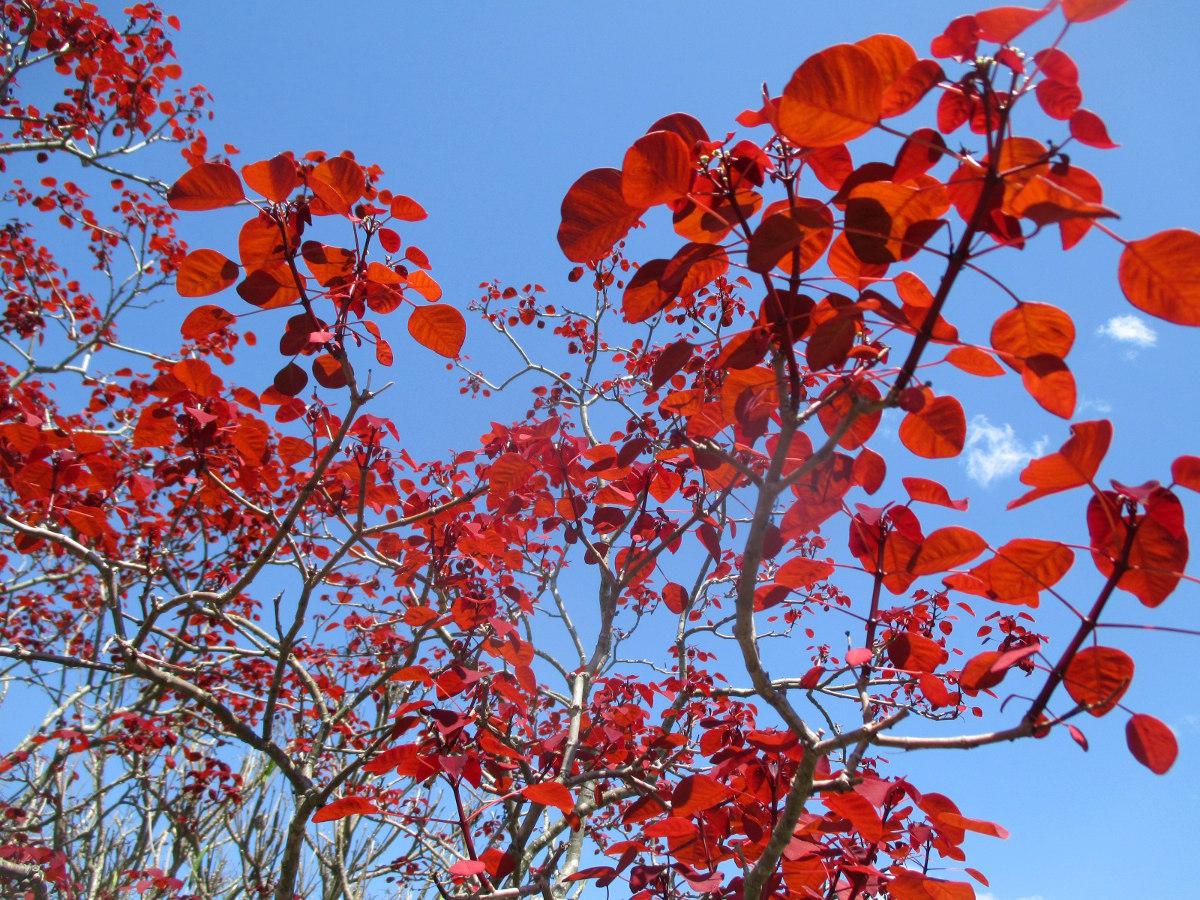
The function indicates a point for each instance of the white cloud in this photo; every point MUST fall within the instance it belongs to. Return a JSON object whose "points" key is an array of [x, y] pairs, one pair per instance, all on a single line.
{"points": [[1129, 330], [994, 451], [1086, 404]]}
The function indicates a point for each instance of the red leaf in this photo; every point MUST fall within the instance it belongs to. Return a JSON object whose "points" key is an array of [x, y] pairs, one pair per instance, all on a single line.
{"points": [[859, 656], [801, 572], [206, 186], [974, 361], [1161, 275], [977, 674], [1088, 128], [1098, 677], [696, 793], [1034, 329], [290, 380], [858, 809], [594, 216], [466, 867], [407, 209], [1086, 10], [937, 430], [914, 652], [657, 169], [675, 597], [1059, 99], [339, 182], [835, 96], [329, 372], [346, 806], [1002, 24], [945, 549], [204, 272], [441, 329], [927, 491], [424, 285], [1185, 472], [550, 793], [1074, 464], [273, 178], [389, 240], [1077, 737], [1152, 743], [205, 320]]}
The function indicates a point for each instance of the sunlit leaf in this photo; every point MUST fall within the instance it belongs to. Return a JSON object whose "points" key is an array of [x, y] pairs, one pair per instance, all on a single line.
{"points": [[206, 186], [657, 169], [346, 806], [937, 430], [339, 182], [1098, 677], [1161, 275], [440, 328], [1074, 464], [834, 96], [1086, 10], [595, 216], [273, 178], [205, 320], [1152, 743], [550, 793], [204, 272]]}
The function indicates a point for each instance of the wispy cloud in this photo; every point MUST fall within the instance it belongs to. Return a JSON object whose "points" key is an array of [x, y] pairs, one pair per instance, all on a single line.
{"points": [[1131, 330], [994, 451], [1087, 404]]}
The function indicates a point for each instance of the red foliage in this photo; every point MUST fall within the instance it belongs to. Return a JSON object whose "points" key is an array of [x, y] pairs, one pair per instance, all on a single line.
{"points": [[214, 567]]}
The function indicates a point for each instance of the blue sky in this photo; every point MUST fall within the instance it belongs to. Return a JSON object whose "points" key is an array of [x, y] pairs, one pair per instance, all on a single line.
{"points": [[486, 112]]}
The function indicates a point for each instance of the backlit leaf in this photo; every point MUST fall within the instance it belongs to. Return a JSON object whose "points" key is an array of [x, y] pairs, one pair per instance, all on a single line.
{"points": [[1034, 329], [931, 492], [204, 272], [205, 320], [346, 806], [1074, 464], [1003, 23], [974, 361], [206, 186], [407, 209], [1161, 275], [696, 793], [273, 178], [1050, 383], [1152, 743], [329, 371], [947, 548], [550, 793], [595, 216], [1088, 128], [657, 169], [937, 430], [914, 652], [440, 328], [1085, 10], [1185, 472], [1098, 677], [834, 96], [339, 182], [800, 572]]}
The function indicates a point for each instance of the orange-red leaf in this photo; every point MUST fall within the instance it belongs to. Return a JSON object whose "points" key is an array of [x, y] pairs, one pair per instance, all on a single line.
{"points": [[424, 285], [974, 361], [835, 96], [937, 430], [1086, 10], [696, 793], [204, 272], [346, 806], [931, 492], [594, 216], [1161, 275], [1050, 383], [1185, 472], [206, 186], [1098, 677], [802, 572], [914, 652], [1033, 329], [440, 328], [947, 548], [204, 320], [550, 793], [1088, 128], [1002, 24], [273, 178], [407, 209], [339, 182], [657, 169], [1152, 743], [977, 675], [1074, 464], [1024, 567]]}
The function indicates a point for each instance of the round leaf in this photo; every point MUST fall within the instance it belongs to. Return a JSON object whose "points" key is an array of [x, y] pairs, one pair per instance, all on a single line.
{"points": [[440, 328]]}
